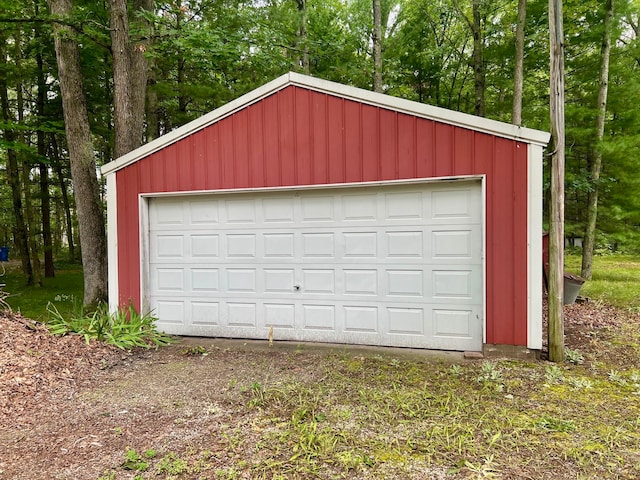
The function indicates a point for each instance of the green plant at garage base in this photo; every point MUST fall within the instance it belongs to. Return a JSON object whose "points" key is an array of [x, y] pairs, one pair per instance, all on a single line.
{"points": [[125, 328]]}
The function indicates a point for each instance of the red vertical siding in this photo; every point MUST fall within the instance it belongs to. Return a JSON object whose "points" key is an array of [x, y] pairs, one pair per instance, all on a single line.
{"points": [[370, 140], [462, 152], [444, 150], [520, 272], [303, 135], [241, 149], [335, 124], [353, 142], [406, 146], [286, 137], [297, 136], [388, 145], [425, 149]]}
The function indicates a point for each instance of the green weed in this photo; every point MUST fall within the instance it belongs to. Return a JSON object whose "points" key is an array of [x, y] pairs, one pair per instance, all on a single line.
{"points": [[172, 464], [194, 351], [134, 461], [125, 328]]}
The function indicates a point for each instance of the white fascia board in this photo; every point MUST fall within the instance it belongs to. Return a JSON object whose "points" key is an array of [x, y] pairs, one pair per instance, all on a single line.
{"points": [[400, 105], [534, 254]]}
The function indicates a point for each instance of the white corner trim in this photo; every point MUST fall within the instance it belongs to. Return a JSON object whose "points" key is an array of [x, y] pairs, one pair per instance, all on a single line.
{"points": [[143, 228], [483, 186], [409, 107], [112, 241], [534, 254]]}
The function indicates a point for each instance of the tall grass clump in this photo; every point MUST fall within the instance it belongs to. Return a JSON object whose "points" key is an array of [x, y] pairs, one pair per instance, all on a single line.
{"points": [[124, 328]]}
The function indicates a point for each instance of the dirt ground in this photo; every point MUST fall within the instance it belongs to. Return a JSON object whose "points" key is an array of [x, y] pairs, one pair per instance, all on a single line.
{"points": [[69, 410]]}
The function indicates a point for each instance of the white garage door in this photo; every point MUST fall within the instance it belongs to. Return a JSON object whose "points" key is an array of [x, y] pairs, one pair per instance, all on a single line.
{"points": [[398, 265]]}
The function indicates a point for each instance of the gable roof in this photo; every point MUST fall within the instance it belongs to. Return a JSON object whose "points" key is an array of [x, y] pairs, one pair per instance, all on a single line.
{"points": [[399, 105]]}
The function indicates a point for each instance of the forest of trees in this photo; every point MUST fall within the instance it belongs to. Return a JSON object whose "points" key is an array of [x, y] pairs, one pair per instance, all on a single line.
{"points": [[83, 82]]}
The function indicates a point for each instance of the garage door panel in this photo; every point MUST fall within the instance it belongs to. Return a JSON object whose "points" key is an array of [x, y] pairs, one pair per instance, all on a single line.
{"points": [[361, 281], [205, 246], [241, 314], [404, 206], [278, 245], [203, 212], [359, 207], [404, 244], [396, 265], [280, 315], [454, 322], [405, 321], [319, 317], [278, 210], [205, 313], [360, 245]]}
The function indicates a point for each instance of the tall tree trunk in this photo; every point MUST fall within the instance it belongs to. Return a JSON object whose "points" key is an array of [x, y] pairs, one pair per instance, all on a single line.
{"points": [[31, 223], [13, 172], [479, 71], [556, 220], [81, 155], [596, 164], [478, 60], [151, 104], [45, 198], [518, 74], [377, 46], [26, 170], [57, 167], [302, 46], [129, 77]]}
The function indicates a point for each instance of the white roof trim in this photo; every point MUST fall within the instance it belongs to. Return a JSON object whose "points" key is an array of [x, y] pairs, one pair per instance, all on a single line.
{"points": [[430, 112]]}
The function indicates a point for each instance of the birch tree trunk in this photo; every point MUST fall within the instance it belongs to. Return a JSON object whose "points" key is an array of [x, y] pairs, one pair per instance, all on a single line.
{"points": [[518, 74], [81, 155], [556, 220], [596, 163], [377, 46]]}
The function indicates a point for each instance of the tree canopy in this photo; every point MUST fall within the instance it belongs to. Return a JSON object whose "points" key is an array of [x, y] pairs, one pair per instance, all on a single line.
{"points": [[200, 54]]}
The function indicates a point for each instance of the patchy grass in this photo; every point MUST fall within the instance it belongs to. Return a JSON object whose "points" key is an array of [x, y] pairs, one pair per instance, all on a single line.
{"points": [[65, 291], [368, 416], [221, 409], [616, 279]]}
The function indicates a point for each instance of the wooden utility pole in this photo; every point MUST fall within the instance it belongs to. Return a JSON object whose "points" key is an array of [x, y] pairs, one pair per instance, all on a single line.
{"points": [[556, 210]]}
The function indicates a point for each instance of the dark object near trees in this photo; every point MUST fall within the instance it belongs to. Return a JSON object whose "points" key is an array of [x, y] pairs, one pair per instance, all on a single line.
{"points": [[4, 254]]}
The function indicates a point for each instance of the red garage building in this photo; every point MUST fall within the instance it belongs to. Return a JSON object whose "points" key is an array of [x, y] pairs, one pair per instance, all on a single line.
{"points": [[333, 214]]}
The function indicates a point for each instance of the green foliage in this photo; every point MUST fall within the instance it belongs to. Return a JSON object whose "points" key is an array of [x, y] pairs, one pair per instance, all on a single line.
{"points": [[63, 291], [171, 464], [194, 350], [573, 356], [134, 461], [125, 328]]}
